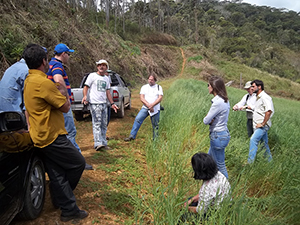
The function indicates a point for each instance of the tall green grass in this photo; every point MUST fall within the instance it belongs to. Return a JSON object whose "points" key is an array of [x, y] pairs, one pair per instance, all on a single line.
{"points": [[262, 193]]}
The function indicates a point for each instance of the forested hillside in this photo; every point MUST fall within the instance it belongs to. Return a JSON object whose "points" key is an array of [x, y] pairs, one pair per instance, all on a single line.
{"points": [[139, 37]]}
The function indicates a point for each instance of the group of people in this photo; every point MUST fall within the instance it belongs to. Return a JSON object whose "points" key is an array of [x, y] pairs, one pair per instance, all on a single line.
{"points": [[45, 101], [42, 91], [211, 167]]}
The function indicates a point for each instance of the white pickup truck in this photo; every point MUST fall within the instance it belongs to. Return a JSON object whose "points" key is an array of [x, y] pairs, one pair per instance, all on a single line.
{"points": [[119, 91]]}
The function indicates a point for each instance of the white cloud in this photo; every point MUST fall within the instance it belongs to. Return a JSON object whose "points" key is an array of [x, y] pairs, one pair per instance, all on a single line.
{"points": [[288, 4]]}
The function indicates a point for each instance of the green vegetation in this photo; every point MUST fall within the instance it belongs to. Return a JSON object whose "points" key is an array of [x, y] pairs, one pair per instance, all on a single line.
{"points": [[262, 193]]}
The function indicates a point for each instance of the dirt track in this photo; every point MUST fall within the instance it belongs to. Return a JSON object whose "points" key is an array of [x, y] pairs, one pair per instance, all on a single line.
{"points": [[87, 191]]}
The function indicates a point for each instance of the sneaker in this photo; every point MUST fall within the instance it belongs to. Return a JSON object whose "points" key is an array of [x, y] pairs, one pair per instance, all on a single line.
{"points": [[129, 139], [99, 147], [81, 214], [107, 148], [88, 167]]}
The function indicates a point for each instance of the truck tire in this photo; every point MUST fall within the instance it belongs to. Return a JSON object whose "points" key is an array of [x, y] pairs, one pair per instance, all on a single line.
{"points": [[129, 104], [121, 110], [78, 116]]}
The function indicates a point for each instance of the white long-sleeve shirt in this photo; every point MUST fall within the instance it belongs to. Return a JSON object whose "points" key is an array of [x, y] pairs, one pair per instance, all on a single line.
{"points": [[248, 102]]}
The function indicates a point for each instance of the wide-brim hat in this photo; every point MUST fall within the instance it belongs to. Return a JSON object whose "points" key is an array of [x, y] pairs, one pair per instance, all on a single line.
{"points": [[102, 61], [247, 85]]}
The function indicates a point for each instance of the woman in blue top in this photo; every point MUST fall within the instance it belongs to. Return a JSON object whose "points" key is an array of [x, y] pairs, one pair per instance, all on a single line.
{"points": [[217, 118]]}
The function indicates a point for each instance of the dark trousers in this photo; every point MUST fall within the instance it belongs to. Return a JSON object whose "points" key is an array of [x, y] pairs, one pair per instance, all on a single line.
{"points": [[250, 127], [64, 165], [108, 114]]}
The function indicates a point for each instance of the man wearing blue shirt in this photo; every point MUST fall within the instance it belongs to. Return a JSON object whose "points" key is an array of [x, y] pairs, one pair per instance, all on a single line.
{"points": [[12, 87]]}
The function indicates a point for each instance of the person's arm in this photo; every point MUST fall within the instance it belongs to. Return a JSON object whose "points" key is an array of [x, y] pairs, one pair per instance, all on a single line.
{"points": [[58, 78], [158, 100], [143, 100], [113, 105], [85, 91], [192, 209], [213, 111], [27, 119], [65, 107], [266, 118], [240, 104], [63, 90]]}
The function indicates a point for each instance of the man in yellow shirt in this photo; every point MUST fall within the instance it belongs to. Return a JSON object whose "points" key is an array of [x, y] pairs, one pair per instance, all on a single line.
{"points": [[45, 103]]}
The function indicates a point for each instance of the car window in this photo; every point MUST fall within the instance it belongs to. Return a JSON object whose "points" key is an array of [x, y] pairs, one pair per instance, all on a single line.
{"points": [[124, 83], [84, 79], [114, 79]]}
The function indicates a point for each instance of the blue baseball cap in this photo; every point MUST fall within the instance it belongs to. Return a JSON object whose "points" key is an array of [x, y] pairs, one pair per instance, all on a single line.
{"points": [[60, 48]]}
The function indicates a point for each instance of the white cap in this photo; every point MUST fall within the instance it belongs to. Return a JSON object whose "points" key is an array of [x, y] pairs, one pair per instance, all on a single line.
{"points": [[102, 61], [248, 84]]}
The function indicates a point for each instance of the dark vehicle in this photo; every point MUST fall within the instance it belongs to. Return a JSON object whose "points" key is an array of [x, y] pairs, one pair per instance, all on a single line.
{"points": [[22, 173], [119, 91]]}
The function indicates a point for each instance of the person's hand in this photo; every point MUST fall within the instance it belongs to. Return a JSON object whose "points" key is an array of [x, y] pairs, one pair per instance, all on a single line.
{"points": [[84, 100], [235, 108], [259, 125], [115, 107]]}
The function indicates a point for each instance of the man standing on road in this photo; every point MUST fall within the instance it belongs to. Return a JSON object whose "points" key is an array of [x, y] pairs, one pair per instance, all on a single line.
{"points": [[99, 86], [45, 102], [263, 111], [247, 103], [57, 74], [151, 95]]}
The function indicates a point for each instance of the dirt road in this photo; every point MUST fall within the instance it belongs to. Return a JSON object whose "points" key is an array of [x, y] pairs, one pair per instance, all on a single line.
{"points": [[90, 192]]}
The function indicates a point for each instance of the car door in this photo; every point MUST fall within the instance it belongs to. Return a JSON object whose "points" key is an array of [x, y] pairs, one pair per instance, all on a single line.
{"points": [[11, 181], [124, 89]]}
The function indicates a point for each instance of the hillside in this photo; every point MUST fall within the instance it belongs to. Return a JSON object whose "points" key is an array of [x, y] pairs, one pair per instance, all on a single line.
{"points": [[133, 54], [50, 22]]}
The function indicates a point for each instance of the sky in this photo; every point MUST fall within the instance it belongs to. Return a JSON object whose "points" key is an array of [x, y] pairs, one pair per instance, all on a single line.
{"points": [[288, 4]]}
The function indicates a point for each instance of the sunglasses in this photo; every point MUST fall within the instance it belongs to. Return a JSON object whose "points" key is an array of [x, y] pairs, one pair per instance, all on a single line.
{"points": [[68, 53]]}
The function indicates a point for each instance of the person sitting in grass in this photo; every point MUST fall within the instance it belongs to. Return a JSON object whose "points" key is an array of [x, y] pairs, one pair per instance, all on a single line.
{"points": [[214, 190]]}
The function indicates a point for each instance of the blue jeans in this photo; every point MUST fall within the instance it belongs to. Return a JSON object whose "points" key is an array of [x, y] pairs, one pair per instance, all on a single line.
{"points": [[139, 119], [260, 134], [99, 119], [71, 129], [218, 143]]}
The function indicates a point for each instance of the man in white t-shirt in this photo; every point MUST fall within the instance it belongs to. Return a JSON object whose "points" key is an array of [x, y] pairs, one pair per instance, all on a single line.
{"points": [[99, 93], [151, 96], [247, 103]]}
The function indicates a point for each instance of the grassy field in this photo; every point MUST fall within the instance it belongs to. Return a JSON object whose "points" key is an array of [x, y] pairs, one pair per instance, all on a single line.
{"points": [[262, 193]]}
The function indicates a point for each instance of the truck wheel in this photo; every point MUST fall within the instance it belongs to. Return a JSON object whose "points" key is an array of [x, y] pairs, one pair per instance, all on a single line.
{"points": [[121, 111], [35, 191], [129, 104], [78, 116]]}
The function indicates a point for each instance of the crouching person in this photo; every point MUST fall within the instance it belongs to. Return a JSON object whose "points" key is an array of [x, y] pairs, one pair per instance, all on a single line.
{"points": [[214, 190], [45, 103]]}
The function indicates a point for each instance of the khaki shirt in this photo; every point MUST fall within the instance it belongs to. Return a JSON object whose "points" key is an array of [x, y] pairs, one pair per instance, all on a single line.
{"points": [[42, 101], [263, 104]]}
